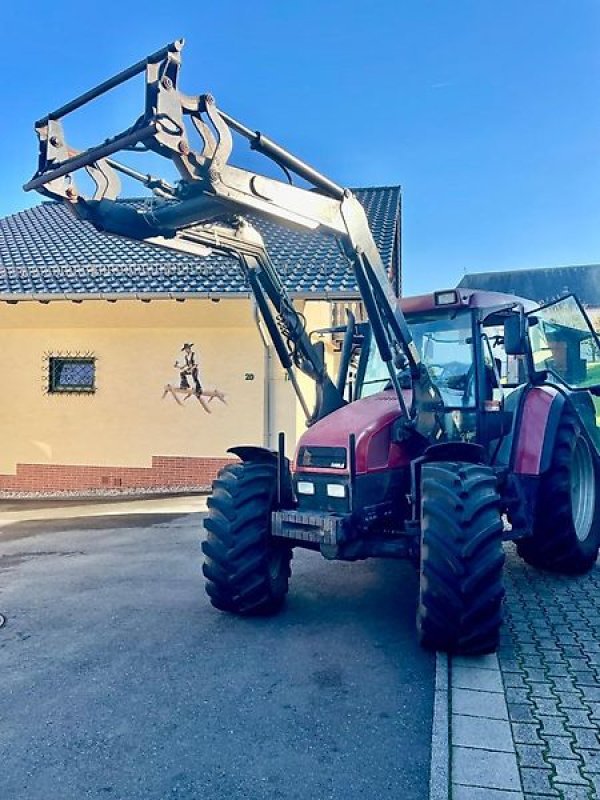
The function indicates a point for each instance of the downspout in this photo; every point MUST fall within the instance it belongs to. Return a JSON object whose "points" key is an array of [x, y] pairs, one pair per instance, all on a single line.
{"points": [[268, 378]]}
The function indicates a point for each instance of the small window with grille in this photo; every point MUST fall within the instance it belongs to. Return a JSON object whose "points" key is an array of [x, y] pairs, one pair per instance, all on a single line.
{"points": [[71, 375]]}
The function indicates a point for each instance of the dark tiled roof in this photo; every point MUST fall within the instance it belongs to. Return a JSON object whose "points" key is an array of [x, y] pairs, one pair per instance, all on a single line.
{"points": [[46, 250], [541, 285]]}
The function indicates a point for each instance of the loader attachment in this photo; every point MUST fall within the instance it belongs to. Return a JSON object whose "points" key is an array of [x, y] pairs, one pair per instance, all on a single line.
{"points": [[197, 137]]}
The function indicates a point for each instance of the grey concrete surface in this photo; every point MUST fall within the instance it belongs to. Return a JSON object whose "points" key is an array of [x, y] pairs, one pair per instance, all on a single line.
{"points": [[118, 680]]}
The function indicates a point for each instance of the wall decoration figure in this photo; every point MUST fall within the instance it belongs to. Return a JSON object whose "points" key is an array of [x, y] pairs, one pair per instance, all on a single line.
{"points": [[189, 369]]}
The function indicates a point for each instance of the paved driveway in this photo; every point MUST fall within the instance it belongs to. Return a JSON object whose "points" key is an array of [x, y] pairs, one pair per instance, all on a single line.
{"points": [[118, 680]]}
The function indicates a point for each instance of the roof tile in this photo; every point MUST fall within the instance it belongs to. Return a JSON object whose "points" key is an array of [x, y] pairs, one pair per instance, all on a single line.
{"points": [[46, 250]]}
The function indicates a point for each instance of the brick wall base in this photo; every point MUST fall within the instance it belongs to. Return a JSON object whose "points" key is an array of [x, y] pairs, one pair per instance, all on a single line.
{"points": [[166, 472]]}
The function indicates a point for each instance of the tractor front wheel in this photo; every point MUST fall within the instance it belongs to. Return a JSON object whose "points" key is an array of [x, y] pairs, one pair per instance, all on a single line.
{"points": [[461, 587], [566, 528], [246, 571]]}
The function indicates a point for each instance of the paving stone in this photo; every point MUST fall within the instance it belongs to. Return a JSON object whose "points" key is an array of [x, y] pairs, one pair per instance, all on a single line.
{"points": [[485, 768], [594, 708], [571, 700], [592, 694], [514, 681], [511, 665], [567, 771], [533, 662], [490, 705], [593, 658], [591, 760], [553, 726], [541, 690], [578, 719], [543, 637], [518, 695], [570, 792], [507, 655], [567, 683], [578, 664], [574, 652], [554, 657], [537, 781], [535, 674], [526, 733], [531, 755], [489, 661], [557, 670], [535, 796], [553, 625], [585, 737], [573, 615], [479, 733], [559, 747], [521, 712], [563, 630], [547, 706], [476, 793], [585, 678], [476, 678], [587, 636], [595, 781]]}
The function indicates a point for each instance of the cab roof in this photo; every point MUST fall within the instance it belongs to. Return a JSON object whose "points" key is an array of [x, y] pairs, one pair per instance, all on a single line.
{"points": [[463, 298]]}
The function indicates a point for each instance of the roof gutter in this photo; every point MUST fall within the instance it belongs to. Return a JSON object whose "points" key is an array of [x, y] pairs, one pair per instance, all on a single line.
{"points": [[112, 297]]}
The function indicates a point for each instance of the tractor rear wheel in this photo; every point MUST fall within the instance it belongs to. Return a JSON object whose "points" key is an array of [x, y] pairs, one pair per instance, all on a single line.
{"points": [[246, 571], [461, 587], [566, 528]]}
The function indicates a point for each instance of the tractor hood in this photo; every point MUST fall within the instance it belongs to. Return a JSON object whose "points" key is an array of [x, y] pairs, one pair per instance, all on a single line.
{"points": [[370, 420]]}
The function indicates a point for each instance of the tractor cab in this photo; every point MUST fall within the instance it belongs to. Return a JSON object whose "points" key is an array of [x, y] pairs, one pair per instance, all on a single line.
{"points": [[482, 349]]}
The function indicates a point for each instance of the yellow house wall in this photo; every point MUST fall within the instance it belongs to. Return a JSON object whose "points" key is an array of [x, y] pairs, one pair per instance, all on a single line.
{"points": [[125, 422]]}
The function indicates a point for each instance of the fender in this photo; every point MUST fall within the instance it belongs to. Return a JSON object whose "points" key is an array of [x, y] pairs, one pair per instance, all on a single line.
{"points": [[455, 451], [252, 453], [537, 422]]}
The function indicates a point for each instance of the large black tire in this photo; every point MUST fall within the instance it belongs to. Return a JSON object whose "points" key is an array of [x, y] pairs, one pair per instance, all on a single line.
{"points": [[246, 571], [566, 528], [461, 587]]}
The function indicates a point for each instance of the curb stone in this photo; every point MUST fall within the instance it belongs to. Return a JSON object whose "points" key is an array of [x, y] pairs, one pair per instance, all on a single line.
{"points": [[473, 754], [439, 779], [483, 757]]}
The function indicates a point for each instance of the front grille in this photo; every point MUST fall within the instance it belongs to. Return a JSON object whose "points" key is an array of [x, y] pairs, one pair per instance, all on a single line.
{"points": [[322, 457]]}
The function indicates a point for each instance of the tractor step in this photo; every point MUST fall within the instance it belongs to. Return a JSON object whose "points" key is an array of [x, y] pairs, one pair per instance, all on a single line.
{"points": [[308, 527]]}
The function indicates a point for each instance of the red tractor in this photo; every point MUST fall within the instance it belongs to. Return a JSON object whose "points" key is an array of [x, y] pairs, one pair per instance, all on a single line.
{"points": [[457, 420]]}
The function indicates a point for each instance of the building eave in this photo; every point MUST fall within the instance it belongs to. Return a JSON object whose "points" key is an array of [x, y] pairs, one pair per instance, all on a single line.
{"points": [[13, 298]]}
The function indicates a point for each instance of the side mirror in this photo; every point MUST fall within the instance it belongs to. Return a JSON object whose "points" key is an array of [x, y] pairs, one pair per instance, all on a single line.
{"points": [[515, 333]]}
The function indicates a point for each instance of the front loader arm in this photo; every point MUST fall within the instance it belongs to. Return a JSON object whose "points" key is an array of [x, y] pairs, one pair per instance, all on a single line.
{"points": [[285, 325], [210, 188]]}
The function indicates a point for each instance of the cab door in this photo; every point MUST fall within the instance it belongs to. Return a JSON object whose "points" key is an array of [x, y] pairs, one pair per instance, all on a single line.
{"points": [[565, 350]]}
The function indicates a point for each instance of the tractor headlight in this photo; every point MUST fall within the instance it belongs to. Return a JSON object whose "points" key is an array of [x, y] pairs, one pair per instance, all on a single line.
{"points": [[449, 298], [305, 487], [336, 490]]}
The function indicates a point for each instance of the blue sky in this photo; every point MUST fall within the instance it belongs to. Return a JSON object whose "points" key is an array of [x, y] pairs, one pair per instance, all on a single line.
{"points": [[487, 112]]}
